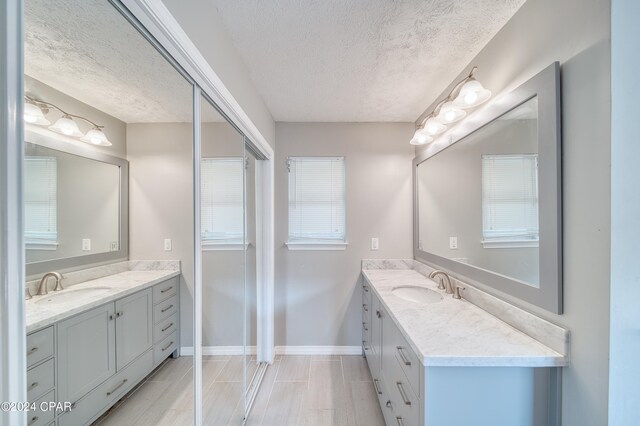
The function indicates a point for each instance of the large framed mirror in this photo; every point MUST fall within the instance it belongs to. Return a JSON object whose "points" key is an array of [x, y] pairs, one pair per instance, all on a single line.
{"points": [[75, 205], [488, 201]]}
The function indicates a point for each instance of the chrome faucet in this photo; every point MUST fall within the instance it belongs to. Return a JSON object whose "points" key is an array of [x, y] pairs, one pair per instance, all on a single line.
{"points": [[445, 282], [42, 290]]}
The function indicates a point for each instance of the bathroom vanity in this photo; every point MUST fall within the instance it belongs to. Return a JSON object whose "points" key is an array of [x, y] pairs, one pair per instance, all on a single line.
{"points": [[92, 342], [437, 361]]}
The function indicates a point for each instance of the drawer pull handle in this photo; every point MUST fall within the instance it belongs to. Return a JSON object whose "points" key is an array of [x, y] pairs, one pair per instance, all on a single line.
{"points": [[388, 404], [166, 309], [166, 289], [167, 327], [364, 325], [402, 355], [399, 421], [364, 345], [32, 351], [406, 400], [33, 386], [366, 289], [168, 346], [378, 314], [71, 407], [364, 306], [117, 387], [375, 385], [33, 420]]}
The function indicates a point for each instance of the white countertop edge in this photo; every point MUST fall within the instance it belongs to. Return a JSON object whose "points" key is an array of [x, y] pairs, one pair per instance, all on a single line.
{"points": [[474, 361], [98, 301]]}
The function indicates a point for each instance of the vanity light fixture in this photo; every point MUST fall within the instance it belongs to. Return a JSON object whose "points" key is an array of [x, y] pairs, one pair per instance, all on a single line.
{"points": [[467, 93], [34, 110]]}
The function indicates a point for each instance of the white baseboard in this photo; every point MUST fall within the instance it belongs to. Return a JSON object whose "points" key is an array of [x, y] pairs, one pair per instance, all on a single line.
{"points": [[318, 350], [280, 350], [218, 350]]}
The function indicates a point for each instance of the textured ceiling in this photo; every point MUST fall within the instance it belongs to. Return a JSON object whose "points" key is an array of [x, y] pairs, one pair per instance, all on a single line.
{"points": [[358, 60], [87, 50]]}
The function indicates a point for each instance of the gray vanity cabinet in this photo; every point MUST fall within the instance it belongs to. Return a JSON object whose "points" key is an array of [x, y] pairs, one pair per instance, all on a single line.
{"points": [[134, 331], [86, 352]]}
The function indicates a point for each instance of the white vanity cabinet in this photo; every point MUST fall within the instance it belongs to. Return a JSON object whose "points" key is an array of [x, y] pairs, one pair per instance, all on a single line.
{"points": [[95, 357], [412, 394]]}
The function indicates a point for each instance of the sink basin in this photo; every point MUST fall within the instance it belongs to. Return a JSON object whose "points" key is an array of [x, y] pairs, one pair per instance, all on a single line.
{"points": [[70, 296], [417, 294]]}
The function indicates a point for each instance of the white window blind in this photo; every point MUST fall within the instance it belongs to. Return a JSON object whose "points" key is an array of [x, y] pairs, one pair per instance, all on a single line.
{"points": [[510, 197], [40, 200], [316, 199], [222, 200]]}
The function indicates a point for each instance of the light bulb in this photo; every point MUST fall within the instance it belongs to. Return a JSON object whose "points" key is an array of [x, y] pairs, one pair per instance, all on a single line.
{"points": [[66, 126], [470, 98], [420, 137], [433, 127], [449, 116], [471, 94], [34, 115], [449, 113], [96, 136]]}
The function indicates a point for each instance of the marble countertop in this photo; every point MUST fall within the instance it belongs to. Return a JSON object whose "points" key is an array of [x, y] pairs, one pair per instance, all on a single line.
{"points": [[456, 332], [39, 315]]}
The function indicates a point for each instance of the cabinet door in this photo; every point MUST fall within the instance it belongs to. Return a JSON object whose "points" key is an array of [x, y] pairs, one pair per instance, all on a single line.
{"points": [[134, 327], [86, 352]]}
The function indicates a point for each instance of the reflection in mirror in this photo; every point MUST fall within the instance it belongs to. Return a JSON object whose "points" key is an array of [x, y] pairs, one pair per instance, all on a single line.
{"points": [[71, 204], [106, 324], [483, 211]]}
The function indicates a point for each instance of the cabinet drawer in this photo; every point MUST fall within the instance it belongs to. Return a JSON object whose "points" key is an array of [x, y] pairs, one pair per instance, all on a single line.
{"points": [[89, 407], [164, 310], [165, 290], [408, 361], [164, 328], [39, 346], [40, 380], [406, 402], [40, 417], [163, 349]]}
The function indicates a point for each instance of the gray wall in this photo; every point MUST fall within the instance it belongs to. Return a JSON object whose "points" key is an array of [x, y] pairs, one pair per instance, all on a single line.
{"points": [[316, 294], [161, 203], [624, 381], [202, 23], [576, 33]]}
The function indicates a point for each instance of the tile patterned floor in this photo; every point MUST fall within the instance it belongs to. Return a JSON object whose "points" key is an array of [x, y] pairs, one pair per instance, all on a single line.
{"points": [[296, 390]]}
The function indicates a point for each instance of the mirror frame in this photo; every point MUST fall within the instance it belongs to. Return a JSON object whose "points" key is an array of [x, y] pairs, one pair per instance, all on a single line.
{"points": [[60, 143], [548, 295]]}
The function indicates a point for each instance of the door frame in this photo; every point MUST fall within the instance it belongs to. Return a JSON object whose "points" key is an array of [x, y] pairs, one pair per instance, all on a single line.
{"points": [[13, 362]]}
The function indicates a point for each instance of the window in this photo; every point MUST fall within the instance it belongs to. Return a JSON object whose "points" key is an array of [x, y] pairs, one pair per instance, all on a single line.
{"points": [[316, 202], [222, 201], [40, 202], [510, 200]]}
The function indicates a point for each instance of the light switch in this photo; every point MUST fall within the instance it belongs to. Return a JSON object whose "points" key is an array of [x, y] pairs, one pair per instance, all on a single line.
{"points": [[374, 243], [453, 243], [86, 244], [167, 244], [114, 246]]}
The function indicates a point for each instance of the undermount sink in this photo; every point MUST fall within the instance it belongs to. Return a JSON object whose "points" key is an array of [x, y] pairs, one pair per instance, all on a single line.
{"points": [[417, 294], [66, 296]]}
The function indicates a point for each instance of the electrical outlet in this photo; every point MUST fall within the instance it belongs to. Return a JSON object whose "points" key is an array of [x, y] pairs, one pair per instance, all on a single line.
{"points": [[374, 243], [167, 244], [114, 246], [86, 244], [453, 243]]}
